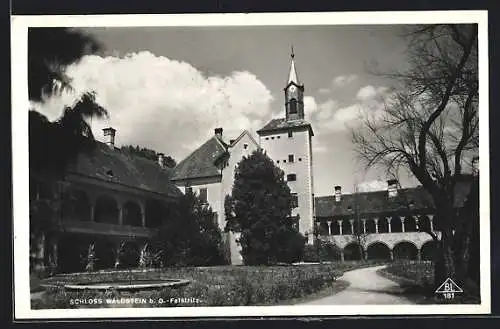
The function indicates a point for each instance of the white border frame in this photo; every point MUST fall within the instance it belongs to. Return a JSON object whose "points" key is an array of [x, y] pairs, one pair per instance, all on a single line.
{"points": [[20, 104]]}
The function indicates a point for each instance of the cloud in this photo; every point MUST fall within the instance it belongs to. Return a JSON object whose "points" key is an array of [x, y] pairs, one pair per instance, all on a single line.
{"points": [[374, 185], [343, 80], [339, 81], [165, 104], [370, 92]]}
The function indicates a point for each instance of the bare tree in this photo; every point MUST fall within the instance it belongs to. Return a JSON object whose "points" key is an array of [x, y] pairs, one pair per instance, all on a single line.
{"points": [[429, 125]]}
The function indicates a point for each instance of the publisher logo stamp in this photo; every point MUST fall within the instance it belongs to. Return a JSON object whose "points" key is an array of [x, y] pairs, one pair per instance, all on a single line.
{"points": [[448, 289]]}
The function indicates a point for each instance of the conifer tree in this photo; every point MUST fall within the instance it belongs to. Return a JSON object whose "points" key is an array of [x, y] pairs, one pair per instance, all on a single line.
{"points": [[260, 209]]}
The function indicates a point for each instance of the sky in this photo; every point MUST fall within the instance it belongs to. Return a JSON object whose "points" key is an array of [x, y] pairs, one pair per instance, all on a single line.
{"points": [[167, 88]]}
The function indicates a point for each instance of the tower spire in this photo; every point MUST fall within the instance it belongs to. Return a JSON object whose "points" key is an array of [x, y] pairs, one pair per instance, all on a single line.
{"points": [[292, 75]]}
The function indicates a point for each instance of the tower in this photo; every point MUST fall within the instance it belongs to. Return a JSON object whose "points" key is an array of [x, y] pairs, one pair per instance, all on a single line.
{"points": [[287, 141], [294, 94]]}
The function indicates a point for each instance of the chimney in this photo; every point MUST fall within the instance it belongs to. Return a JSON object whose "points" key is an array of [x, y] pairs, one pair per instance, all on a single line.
{"points": [[109, 136], [160, 159], [338, 193], [218, 132], [392, 188], [475, 165]]}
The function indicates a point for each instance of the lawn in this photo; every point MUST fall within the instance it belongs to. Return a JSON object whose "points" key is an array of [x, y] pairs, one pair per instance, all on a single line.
{"points": [[417, 279], [210, 286]]}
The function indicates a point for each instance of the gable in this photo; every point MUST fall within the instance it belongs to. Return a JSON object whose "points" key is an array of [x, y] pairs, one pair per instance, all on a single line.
{"points": [[202, 162]]}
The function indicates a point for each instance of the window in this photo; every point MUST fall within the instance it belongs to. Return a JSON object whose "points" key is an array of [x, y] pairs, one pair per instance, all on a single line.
{"points": [[300, 159], [272, 137], [290, 134], [267, 138], [245, 146], [203, 194], [291, 177], [295, 200], [277, 161], [293, 106], [278, 137], [284, 161], [290, 158], [189, 190]]}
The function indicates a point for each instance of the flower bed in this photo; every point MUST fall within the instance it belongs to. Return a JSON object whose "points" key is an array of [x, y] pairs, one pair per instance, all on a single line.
{"points": [[210, 286]]}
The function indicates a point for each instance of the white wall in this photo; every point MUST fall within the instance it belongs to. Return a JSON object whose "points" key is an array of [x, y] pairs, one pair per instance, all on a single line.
{"points": [[278, 146]]}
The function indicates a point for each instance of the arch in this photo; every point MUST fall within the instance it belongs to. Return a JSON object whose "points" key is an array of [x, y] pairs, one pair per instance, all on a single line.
{"points": [[405, 250], [76, 205], [410, 224], [128, 255], [396, 225], [424, 223], [378, 250], [346, 227], [323, 228], [335, 227], [383, 225], [132, 214], [370, 226], [106, 210], [428, 250], [156, 211], [293, 106], [352, 251]]}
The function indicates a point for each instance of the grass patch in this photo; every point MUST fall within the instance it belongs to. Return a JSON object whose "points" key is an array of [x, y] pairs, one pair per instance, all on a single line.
{"points": [[332, 289], [416, 278], [210, 286]]}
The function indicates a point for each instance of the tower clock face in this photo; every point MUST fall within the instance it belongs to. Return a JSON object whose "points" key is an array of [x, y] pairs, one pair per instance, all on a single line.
{"points": [[292, 88]]}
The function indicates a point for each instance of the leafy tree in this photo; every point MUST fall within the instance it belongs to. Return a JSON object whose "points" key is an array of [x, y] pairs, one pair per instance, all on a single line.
{"points": [[50, 51], [259, 208], [429, 126], [53, 145], [190, 236], [150, 154]]}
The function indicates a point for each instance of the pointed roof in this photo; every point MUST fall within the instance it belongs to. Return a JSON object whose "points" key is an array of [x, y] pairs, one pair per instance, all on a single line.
{"points": [[202, 162], [292, 75]]}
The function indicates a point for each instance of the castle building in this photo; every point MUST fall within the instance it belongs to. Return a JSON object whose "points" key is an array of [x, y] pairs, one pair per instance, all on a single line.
{"points": [[110, 199], [209, 172], [288, 141], [385, 225]]}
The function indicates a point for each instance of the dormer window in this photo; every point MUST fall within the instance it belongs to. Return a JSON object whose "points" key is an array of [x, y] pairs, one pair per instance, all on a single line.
{"points": [[291, 177], [109, 173]]}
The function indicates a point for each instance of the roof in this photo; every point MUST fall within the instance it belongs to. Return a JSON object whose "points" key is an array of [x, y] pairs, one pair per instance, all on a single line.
{"points": [[416, 199], [120, 167], [202, 162], [281, 124]]}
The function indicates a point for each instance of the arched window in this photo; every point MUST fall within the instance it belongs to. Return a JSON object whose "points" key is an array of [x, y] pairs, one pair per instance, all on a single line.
{"points": [[379, 251], [293, 106], [76, 206], [106, 210], [405, 250], [132, 214]]}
